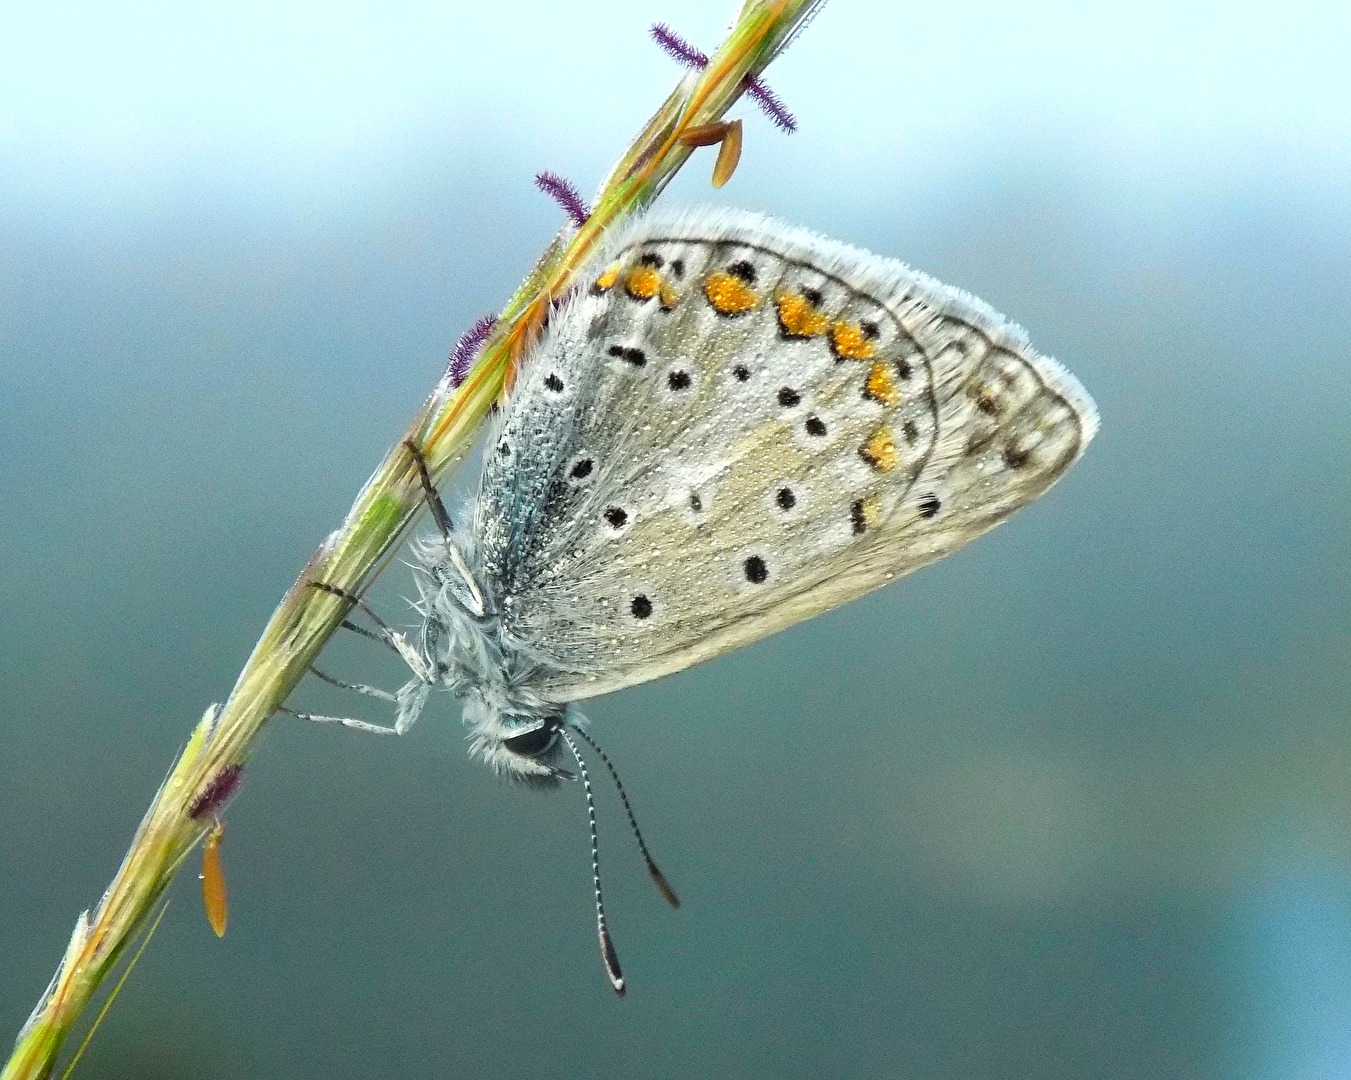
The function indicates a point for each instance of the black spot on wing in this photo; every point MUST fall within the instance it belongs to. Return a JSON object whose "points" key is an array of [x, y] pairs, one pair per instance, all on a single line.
{"points": [[743, 270], [628, 354], [858, 518]]}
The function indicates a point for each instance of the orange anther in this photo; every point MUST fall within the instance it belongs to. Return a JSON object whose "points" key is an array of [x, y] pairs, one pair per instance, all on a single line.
{"points": [[726, 135], [729, 153], [704, 134], [214, 897]]}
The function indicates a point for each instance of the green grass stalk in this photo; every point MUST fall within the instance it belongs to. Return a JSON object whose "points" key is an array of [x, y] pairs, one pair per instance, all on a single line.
{"points": [[351, 557]]}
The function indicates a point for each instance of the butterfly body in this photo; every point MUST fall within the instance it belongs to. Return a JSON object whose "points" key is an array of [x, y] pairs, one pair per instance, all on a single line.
{"points": [[733, 426]]}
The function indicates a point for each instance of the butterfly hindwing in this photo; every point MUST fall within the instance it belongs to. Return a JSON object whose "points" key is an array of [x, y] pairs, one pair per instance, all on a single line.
{"points": [[739, 425]]}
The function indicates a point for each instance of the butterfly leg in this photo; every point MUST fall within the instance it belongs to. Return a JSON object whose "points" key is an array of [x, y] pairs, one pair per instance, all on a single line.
{"points": [[409, 700], [384, 633], [438, 508], [443, 524], [345, 721], [360, 688], [347, 624]]}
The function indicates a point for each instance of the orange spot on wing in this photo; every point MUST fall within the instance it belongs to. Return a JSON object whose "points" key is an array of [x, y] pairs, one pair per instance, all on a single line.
{"points": [[729, 295], [880, 451], [607, 278], [798, 317], [850, 343], [881, 384], [214, 897], [642, 283]]}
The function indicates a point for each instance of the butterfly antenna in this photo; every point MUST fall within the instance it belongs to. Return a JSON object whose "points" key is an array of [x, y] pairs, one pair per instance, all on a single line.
{"points": [[658, 878], [607, 945]]}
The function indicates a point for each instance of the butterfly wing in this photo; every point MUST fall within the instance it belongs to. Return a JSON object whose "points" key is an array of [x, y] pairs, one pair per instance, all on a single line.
{"points": [[740, 425]]}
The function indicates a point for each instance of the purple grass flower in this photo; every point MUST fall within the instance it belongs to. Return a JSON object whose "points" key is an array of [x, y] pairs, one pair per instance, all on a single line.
{"points": [[683, 52], [218, 791], [677, 47], [563, 193], [770, 104], [462, 356]]}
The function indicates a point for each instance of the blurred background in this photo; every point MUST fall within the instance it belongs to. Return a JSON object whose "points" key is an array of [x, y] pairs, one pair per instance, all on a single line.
{"points": [[1073, 802]]}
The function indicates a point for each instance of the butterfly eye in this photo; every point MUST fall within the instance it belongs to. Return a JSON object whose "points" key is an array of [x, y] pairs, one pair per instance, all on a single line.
{"points": [[534, 741]]}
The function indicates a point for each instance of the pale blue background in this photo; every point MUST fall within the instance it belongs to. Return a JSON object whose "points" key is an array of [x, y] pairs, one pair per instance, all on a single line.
{"points": [[1074, 803]]}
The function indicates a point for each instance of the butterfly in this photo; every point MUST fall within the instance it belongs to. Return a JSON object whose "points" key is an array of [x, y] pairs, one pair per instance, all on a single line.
{"points": [[732, 426]]}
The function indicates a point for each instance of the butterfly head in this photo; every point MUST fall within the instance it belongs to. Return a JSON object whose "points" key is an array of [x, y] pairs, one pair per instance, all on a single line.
{"points": [[526, 747]]}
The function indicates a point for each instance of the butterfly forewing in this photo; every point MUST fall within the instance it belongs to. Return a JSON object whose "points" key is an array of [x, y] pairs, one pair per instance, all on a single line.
{"points": [[739, 425]]}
